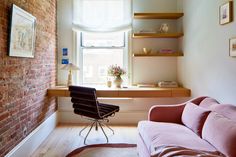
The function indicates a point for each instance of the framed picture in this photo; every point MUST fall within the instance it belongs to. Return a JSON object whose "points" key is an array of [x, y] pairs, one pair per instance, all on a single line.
{"points": [[232, 47], [23, 32], [226, 13]]}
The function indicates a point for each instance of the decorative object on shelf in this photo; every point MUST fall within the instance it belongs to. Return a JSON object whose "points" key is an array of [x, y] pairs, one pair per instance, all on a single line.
{"points": [[116, 71], [164, 28], [147, 50], [109, 82], [70, 67], [166, 51], [232, 47], [226, 13], [118, 81], [23, 32], [167, 84]]}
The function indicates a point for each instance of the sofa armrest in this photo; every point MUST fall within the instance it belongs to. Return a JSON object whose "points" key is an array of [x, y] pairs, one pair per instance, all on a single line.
{"points": [[170, 113], [166, 113]]}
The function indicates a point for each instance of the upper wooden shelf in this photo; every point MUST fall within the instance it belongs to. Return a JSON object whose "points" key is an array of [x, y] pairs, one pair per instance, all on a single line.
{"points": [[158, 15], [157, 35], [175, 54]]}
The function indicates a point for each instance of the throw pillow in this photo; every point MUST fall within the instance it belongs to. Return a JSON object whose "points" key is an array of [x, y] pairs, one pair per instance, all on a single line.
{"points": [[221, 133], [194, 117]]}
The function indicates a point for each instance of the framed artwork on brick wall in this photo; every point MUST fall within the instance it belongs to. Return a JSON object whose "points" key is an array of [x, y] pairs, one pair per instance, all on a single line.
{"points": [[226, 13], [23, 33]]}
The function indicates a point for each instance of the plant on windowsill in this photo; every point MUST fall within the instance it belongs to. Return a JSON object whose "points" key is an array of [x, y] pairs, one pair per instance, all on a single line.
{"points": [[116, 71]]}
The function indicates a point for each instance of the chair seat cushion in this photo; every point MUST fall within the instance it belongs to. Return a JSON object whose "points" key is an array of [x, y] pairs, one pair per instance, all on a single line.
{"points": [[156, 134], [91, 114], [107, 109]]}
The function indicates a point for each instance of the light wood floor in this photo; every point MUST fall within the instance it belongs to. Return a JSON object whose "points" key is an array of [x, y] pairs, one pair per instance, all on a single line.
{"points": [[65, 138]]}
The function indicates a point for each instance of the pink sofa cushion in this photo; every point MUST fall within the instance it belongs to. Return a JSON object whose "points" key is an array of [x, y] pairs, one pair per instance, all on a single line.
{"points": [[226, 110], [155, 134], [194, 117], [221, 133], [207, 102]]}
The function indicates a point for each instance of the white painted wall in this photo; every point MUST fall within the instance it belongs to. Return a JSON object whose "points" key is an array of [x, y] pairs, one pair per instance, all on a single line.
{"points": [[65, 35], [206, 67]]}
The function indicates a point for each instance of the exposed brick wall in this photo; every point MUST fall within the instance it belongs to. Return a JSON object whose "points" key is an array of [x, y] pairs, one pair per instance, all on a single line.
{"points": [[24, 81]]}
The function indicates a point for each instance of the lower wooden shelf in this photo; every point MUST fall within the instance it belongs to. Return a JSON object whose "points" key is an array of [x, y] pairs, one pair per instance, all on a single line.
{"points": [[175, 54]]}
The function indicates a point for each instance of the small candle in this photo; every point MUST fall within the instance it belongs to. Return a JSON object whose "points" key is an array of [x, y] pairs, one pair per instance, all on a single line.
{"points": [[109, 83]]}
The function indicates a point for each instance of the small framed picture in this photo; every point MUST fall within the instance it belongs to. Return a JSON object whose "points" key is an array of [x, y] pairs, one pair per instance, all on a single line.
{"points": [[232, 47], [226, 13], [65, 61], [64, 51]]}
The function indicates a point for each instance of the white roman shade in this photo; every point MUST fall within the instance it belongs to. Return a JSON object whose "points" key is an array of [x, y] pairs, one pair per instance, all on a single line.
{"points": [[102, 15]]}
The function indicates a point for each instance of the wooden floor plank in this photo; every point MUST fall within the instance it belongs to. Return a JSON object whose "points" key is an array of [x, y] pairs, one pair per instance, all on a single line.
{"points": [[65, 138]]}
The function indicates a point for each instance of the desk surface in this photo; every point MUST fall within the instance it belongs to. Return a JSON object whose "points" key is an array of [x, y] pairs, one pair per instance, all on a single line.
{"points": [[132, 92]]}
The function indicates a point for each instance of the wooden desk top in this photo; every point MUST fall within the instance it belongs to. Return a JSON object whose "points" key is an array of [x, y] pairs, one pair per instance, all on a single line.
{"points": [[130, 92]]}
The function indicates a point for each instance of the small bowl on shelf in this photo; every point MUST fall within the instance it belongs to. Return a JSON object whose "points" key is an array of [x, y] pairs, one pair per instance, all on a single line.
{"points": [[147, 51]]}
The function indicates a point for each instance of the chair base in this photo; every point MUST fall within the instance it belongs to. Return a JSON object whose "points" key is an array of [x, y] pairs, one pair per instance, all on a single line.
{"points": [[96, 123]]}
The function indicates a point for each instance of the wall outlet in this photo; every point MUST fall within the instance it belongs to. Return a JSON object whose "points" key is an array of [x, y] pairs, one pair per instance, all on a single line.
{"points": [[24, 131]]}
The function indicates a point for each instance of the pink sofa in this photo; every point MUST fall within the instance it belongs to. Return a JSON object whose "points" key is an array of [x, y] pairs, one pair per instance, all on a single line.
{"points": [[200, 125]]}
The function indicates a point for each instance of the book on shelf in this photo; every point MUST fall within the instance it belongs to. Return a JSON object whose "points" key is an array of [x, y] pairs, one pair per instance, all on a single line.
{"points": [[147, 31], [166, 51], [168, 84], [146, 85]]}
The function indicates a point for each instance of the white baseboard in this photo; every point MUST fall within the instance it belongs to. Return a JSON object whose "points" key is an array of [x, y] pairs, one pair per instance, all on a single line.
{"points": [[120, 118], [30, 143]]}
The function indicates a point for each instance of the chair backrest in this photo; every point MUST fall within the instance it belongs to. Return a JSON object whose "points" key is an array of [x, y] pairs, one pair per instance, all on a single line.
{"points": [[84, 100]]}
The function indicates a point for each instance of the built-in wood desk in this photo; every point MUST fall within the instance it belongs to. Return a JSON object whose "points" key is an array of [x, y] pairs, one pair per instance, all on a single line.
{"points": [[130, 92]]}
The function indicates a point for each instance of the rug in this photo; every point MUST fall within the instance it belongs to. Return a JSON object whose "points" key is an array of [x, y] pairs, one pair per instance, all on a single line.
{"points": [[105, 150]]}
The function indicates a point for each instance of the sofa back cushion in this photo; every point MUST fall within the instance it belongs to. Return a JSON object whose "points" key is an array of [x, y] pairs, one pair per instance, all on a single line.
{"points": [[207, 102], [221, 133], [226, 110], [194, 117]]}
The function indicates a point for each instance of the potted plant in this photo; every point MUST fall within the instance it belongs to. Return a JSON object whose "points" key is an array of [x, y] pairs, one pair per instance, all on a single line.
{"points": [[116, 71]]}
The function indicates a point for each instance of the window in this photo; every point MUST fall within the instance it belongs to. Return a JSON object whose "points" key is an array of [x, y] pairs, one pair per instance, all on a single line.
{"points": [[97, 52], [101, 28]]}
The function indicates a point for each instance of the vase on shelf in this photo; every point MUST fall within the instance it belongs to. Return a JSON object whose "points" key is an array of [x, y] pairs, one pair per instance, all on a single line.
{"points": [[117, 81]]}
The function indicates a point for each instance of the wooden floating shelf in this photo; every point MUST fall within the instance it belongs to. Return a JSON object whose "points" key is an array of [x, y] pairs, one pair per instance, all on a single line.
{"points": [[158, 15], [157, 35], [130, 92], [175, 54]]}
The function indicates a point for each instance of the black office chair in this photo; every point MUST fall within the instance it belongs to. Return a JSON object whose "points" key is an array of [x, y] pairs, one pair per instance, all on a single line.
{"points": [[85, 103]]}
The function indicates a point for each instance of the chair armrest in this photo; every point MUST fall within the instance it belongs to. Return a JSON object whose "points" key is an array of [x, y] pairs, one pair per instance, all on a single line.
{"points": [[170, 113]]}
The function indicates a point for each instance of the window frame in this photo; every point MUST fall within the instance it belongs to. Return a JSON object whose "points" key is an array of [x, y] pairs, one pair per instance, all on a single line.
{"points": [[80, 47]]}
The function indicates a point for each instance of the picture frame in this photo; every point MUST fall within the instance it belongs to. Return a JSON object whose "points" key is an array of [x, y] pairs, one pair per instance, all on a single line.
{"points": [[22, 33], [226, 13], [232, 47]]}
